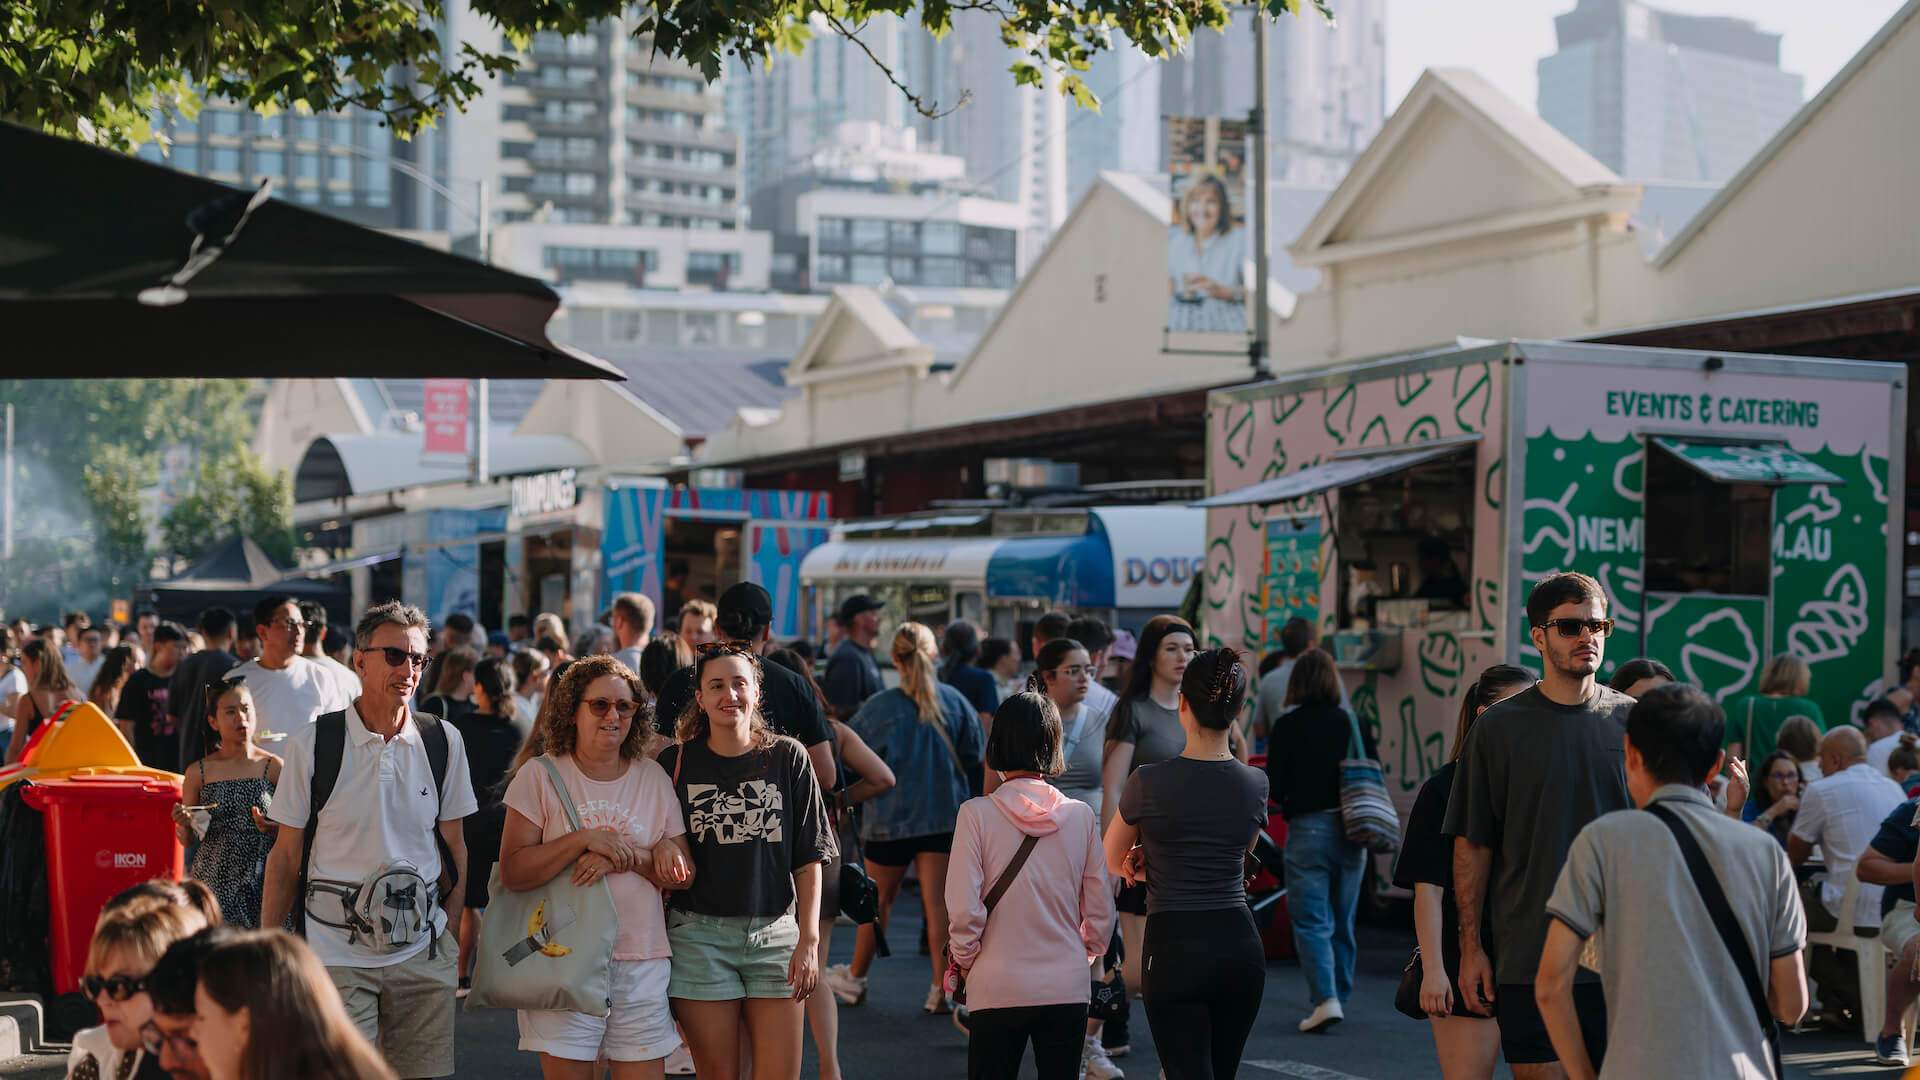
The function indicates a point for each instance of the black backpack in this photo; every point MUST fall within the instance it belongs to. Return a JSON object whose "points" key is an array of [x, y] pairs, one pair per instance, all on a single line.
{"points": [[329, 747]]}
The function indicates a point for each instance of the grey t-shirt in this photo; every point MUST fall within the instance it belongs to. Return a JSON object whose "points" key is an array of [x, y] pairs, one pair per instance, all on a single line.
{"points": [[1532, 775], [1152, 728], [1083, 736], [1660, 956], [1196, 819]]}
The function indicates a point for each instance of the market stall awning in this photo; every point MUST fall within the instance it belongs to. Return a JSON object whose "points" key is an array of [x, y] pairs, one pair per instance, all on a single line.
{"points": [[113, 267], [1341, 472], [1746, 462]]}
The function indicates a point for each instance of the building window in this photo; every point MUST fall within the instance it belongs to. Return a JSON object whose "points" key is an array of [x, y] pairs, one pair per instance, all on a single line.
{"points": [[942, 271], [833, 233], [340, 196], [942, 238], [308, 166], [269, 163], [699, 328], [625, 326], [580, 183], [903, 236], [830, 269], [869, 269], [713, 268], [749, 330], [600, 264], [224, 122], [186, 158], [272, 127], [869, 234], [340, 168], [903, 271], [306, 128], [225, 160], [309, 195]]}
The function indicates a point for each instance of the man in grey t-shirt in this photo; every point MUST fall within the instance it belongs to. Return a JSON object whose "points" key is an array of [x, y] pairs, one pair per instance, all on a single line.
{"points": [[1662, 961], [1535, 769]]}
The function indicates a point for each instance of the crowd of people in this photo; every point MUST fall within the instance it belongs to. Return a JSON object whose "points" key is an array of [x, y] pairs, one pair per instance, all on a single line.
{"points": [[1078, 838]]}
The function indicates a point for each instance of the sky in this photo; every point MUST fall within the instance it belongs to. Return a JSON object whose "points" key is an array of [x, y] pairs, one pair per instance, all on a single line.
{"points": [[1502, 39]]}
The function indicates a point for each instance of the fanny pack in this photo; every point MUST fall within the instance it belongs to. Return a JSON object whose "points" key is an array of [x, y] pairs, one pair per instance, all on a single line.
{"points": [[390, 911]]}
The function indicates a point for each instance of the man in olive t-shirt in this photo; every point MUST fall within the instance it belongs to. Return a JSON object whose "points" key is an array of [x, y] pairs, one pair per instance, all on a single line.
{"points": [[1535, 770]]}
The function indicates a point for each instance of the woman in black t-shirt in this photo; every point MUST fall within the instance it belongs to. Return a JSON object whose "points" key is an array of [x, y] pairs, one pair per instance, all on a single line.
{"points": [[745, 921], [1468, 1044]]}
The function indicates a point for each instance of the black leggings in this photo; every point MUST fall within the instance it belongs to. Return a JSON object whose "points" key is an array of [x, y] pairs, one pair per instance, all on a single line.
{"points": [[1205, 972], [997, 1040]]}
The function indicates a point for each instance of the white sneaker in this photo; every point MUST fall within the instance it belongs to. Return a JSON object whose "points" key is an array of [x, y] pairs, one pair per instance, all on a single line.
{"points": [[1097, 1065], [680, 1062], [848, 988], [936, 1003], [1324, 1015]]}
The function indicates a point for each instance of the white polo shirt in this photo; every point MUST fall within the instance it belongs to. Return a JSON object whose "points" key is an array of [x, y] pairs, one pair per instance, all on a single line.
{"points": [[287, 699], [381, 811]]}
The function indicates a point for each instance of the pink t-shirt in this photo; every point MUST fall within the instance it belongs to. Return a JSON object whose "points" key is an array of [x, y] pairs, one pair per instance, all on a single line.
{"points": [[640, 804]]}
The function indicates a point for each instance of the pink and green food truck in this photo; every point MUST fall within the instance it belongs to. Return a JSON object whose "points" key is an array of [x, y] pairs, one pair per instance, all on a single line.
{"points": [[1733, 507]]}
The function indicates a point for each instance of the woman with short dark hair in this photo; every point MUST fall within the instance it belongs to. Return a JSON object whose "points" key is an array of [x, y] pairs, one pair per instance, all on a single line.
{"points": [[1040, 850], [1323, 868]]}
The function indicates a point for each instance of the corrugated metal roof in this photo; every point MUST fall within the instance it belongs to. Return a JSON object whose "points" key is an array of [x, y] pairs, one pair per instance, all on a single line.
{"points": [[700, 393]]}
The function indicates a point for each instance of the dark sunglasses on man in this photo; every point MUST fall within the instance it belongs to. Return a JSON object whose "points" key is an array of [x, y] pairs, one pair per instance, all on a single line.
{"points": [[153, 1040], [1571, 628], [396, 657]]}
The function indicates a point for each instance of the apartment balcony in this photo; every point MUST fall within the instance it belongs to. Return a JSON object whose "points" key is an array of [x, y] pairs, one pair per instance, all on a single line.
{"points": [[597, 162], [654, 97], [685, 171], [706, 138], [544, 124], [681, 206]]}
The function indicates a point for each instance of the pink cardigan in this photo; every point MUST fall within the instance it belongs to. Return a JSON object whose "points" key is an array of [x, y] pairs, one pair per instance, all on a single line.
{"points": [[1054, 920]]}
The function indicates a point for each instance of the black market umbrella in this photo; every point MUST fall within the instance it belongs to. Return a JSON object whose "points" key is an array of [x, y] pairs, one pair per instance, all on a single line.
{"points": [[114, 267]]}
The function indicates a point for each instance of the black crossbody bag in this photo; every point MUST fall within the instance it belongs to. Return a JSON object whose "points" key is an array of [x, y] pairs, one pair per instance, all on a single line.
{"points": [[1724, 921]]}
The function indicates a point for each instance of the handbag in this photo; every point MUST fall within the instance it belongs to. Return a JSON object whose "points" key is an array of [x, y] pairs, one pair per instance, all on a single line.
{"points": [[1366, 811], [1724, 921], [859, 894], [548, 948], [956, 980], [1406, 996]]}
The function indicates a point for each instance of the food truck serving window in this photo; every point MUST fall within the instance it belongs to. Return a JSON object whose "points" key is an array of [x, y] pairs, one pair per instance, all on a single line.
{"points": [[1402, 525], [1709, 512]]}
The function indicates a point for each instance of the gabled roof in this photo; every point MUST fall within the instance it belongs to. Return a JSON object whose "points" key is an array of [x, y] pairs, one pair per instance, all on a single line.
{"points": [[1563, 181], [1787, 133], [883, 340]]}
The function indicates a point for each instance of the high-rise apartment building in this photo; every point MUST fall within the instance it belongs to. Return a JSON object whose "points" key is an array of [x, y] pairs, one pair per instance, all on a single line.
{"points": [[1659, 96]]}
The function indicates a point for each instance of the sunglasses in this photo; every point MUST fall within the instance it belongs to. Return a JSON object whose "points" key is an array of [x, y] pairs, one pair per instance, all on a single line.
{"points": [[153, 1041], [117, 987], [1571, 628], [724, 648], [396, 657], [599, 706]]}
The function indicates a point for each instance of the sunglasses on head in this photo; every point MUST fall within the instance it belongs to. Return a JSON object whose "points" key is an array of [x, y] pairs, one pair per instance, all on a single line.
{"points": [[599, 706], [117, 987], [396, 657], [1571, 628], [724, 648]]}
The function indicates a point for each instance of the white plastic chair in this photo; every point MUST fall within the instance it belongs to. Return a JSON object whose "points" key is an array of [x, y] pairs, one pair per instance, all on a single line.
{"points": [[1870, 957]]}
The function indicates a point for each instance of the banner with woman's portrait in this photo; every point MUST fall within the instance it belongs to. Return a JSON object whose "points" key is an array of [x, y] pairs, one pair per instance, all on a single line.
{"points": [[1207, 244]]}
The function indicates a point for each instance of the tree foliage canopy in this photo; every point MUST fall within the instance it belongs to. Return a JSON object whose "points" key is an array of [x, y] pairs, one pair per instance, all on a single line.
{"points": [[101, 69]]}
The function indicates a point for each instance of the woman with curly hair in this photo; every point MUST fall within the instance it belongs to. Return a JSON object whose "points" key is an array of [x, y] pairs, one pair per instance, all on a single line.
{"points": [[746, 931], [593, 732]]}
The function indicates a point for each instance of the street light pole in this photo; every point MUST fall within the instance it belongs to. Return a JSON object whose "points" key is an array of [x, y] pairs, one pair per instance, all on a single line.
{"points": [[6, 493], [1262, 247]]}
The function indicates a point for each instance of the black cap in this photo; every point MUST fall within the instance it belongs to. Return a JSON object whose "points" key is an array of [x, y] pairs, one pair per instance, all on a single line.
{"points": [[858, 604], [746, 609]]}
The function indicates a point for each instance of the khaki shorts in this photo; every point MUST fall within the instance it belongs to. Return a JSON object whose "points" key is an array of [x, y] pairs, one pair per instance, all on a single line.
{"points": [[406, 1010], [1898, 929]]}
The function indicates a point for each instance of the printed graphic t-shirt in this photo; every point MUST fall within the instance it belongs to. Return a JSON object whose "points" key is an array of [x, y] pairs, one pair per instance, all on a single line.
{"points": [[752, 821], [639, 806], [143, 704]]}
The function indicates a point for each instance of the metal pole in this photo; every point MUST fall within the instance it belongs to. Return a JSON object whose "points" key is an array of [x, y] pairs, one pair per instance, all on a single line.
{"points": [[6, 492], [1263, 240], [486, 223], [482, 467]]}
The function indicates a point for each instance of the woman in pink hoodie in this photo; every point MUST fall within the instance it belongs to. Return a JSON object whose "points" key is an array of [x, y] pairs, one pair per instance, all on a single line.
{"points": [[1026, 966]]}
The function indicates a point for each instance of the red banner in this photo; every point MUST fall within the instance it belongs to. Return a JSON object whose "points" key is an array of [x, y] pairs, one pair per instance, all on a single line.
{"points": [[445, 416]]}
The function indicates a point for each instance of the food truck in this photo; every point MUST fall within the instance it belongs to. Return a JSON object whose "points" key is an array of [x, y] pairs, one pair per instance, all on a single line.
{"points": [[1733, 507], [1002, 568]]}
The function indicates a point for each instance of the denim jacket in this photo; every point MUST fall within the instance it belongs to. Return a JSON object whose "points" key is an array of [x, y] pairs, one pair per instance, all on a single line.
{"points": [[926, 799]]}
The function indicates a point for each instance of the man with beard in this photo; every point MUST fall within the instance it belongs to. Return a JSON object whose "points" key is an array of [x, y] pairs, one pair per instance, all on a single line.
{"points": [[1536, 768]]}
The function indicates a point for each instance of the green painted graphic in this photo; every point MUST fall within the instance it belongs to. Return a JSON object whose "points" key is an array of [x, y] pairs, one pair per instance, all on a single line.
{"points": [[1293, 574]]}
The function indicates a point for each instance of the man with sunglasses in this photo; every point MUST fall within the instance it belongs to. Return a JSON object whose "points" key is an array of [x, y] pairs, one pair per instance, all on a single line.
{"points": [[168, 1036], [388, 829], [789, 704], [1536, 768], [289, 690]]}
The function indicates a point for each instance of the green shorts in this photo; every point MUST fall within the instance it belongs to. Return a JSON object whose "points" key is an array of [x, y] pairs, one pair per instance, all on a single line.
{"points": [[728, 957]]}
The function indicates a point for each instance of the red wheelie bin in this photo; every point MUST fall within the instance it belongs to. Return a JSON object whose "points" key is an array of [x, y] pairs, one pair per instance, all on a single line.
{"points": [[104, 834]]}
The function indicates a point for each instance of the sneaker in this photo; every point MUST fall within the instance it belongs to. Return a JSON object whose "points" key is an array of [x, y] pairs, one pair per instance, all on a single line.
{"points": [[680, 1062], [1324, 1015], [848, 988], [466, 987], [936, 1003], [1096, 1064], [1890, 1050]]}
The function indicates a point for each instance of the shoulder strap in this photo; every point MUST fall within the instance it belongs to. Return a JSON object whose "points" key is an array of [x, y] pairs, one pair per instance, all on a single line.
{"points": [[1005, 881], [433, 734], [1715, 899], [329, 746], [560, 786], [939, 727]]}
